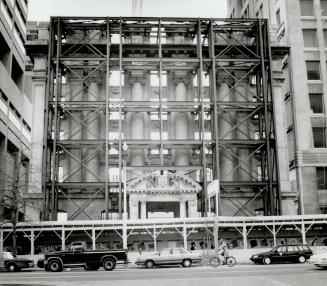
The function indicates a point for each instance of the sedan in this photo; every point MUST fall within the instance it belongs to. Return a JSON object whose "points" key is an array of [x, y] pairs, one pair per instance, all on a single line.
{"points": [[283, 253], [13, 264], [169, 256], [319, 260]]}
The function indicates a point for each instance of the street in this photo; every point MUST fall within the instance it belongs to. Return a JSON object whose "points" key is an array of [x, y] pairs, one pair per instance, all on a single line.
{"points": [[267, 275]]}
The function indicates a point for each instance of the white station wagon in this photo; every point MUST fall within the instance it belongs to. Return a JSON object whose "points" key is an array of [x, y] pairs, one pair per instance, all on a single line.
{"points": [[169, 256]]}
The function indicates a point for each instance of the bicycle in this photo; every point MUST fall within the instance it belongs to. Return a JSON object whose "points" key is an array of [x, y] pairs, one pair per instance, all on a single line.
{"points": [[216, 261]]}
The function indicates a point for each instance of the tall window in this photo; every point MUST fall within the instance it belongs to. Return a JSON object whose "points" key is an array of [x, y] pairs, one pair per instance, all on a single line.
{"points": [[316, 102], [321, 178], [313, 70], [306, 7], [319, 137], [323, 7], [278, 21], [325, 37], [310, 38]]}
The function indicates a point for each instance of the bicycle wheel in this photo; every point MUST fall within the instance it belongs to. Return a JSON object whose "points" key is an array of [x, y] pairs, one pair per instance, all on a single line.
{"points": [[231, 261], [214, 261]]}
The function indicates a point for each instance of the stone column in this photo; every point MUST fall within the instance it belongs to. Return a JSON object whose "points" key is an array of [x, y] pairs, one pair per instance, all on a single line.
{"points": [[225, 124], [243, 133], [133, 207], [137, 122], [288, 206], [182, 208], [143, 209], [181, 124], [75, 132], [192, 207], [92, 133], [39, 93], [171, 115]]}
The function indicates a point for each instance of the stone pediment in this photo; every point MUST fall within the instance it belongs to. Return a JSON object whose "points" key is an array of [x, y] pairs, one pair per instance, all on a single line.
{"points": [[163, 184]]}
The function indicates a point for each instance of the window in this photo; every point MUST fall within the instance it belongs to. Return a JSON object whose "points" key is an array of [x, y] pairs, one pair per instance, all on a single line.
{"points": [[292, 248], [261, 11], [321, 178], [4, 52], [278, 21], [313, 70], [281, 249], [62, 216], [306, 7], [316, 102], [319, 137], [323, 7], [325, 37], [310, 38]]}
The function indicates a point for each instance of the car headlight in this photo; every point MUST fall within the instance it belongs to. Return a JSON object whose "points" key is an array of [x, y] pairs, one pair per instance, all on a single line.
{"points": [[254, 256]]}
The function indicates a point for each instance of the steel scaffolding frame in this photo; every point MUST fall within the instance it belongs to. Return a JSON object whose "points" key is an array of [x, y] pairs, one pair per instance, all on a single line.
{"points": [[233, 51], [292, 225]]}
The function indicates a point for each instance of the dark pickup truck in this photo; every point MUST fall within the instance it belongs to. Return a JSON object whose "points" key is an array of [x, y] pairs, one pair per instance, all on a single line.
{"points": [[77, 256]]}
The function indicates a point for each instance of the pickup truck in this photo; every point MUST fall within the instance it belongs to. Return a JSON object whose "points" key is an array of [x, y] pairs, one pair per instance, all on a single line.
{"points": [[77, 255]]}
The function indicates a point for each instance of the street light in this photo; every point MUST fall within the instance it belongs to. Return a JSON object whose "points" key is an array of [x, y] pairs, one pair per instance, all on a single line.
{"points": [[125, 148]]}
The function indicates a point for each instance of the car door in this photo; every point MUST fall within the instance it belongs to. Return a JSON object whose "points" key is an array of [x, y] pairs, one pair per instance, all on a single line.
{"points": [[279, 254], [163, 256], [176, 256], [292, 253]]}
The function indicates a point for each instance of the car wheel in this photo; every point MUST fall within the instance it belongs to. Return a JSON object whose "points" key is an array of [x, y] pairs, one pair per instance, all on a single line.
{"points": [[301, 259], [91, 267], [266, 260], [109, 264], [11, 267], [55, 265], [187, 263], [149, 264]]}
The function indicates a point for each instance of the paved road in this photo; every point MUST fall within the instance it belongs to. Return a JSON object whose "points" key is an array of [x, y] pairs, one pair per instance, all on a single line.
{"points": [[265, 275]]}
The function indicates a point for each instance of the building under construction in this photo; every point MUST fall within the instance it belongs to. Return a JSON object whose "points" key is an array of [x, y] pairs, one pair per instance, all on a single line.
{"points": [[143, 117]]}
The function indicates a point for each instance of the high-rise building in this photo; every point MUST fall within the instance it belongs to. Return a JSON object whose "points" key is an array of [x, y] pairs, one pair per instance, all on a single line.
{"points": [[300, 25], [15, 103]]}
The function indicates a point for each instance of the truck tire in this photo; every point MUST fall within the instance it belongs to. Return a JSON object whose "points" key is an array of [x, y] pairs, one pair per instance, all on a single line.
{"points": [[55, 265], [91, 267], [109, 264], [12, 267]]}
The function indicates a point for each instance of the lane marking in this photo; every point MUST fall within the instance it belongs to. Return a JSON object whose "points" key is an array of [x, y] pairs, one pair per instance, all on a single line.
{"points": [[152, 275]]}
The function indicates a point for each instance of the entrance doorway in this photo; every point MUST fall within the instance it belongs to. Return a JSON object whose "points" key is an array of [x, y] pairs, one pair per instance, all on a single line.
{"points": [[162, 209]]}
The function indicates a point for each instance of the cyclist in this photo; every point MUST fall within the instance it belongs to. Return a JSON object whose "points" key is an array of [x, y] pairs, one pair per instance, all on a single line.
{"points": [[223, 251]]}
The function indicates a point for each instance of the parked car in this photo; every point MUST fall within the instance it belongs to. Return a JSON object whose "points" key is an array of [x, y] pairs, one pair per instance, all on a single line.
{"points": [[283, 253], [319, 260], [169, 256], [13, 264], [77, 255]]}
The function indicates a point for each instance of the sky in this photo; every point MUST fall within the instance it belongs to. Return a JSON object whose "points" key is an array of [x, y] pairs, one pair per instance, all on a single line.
{"points": [[41, 10]]}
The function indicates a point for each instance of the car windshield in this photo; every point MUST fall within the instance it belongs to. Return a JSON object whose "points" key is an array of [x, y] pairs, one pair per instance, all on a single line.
{"points": [[7, 255], [165, 251]]}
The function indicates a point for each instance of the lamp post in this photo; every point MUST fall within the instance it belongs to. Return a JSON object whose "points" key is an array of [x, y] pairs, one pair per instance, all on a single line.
{"points": [[125, 148]]}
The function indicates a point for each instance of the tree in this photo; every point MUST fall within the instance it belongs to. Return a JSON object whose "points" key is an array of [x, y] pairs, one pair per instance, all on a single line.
{"points": [[13, 190]]}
